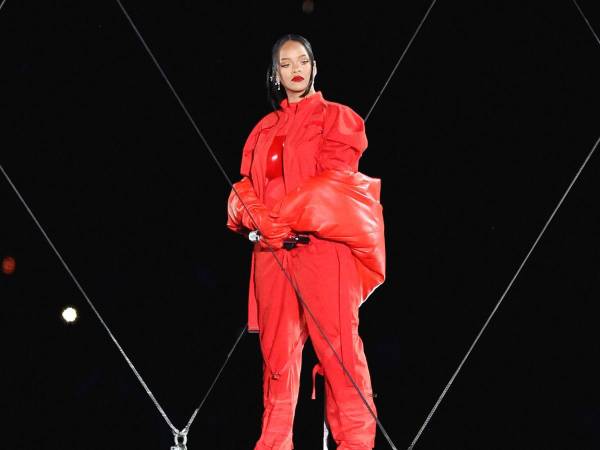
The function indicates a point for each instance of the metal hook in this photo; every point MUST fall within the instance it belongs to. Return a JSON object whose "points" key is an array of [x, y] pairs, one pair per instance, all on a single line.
{"points": [[180, 440]]}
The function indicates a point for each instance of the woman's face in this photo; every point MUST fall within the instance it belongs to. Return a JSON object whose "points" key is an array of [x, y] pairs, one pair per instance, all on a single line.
{"points": [[294, 67]]}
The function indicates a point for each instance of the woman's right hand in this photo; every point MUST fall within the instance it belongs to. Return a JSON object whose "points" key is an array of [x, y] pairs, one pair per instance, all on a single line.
{"points": [[273, 234], [245, 212]]}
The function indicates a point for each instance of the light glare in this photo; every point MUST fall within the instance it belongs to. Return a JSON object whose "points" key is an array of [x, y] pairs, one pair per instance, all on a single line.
{"points": [[69, 314], [8, 265]]}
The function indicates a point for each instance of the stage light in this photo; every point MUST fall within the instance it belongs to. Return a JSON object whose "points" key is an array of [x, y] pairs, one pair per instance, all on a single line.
{"points": [[8, 265], [69, 314], [308, 6]]}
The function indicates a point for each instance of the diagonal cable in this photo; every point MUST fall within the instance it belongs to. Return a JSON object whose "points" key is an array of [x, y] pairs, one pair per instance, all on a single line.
{"points": [[400, 59], [160, 409], [586, 21], [535, 243], [179, 100], [454, 375], [87, 298], [197, 410], [2, 4]]}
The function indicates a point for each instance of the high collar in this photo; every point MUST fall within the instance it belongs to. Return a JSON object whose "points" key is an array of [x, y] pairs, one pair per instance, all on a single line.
{"points": [[302, 104]]}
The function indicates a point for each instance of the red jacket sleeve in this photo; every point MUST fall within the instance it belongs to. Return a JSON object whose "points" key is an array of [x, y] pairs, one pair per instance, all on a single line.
{"points": [[248, 150], [344, 139], [342, 207]]}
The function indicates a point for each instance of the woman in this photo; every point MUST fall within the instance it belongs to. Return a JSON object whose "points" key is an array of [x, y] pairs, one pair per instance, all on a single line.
{"points": [[300, 174]]}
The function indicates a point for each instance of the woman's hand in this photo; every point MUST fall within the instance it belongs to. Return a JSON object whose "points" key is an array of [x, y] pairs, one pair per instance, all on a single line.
{"points": [[273, 234], [245, 212]]}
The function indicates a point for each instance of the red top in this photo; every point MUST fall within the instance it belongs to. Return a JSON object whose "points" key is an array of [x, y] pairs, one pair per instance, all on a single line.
{"points": [[274, 166], [274, 184]]}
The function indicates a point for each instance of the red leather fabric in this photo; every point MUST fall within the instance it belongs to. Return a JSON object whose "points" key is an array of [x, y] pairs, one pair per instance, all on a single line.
{"points": [[274, 165], [341, 206], [322, 194]]}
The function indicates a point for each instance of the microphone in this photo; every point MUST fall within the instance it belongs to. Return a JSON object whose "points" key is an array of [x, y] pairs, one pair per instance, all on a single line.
{"points": [[289, 242]]}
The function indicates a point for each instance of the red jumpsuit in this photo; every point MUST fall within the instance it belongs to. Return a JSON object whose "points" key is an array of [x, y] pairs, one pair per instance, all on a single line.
{"points": [[283, 151]]}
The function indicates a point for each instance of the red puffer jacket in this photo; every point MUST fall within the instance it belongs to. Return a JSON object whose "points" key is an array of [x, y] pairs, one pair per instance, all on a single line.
{"points": [[324, 193]]}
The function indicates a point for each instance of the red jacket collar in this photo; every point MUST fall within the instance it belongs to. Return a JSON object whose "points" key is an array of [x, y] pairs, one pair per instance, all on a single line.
{"points": [[317, 97]]}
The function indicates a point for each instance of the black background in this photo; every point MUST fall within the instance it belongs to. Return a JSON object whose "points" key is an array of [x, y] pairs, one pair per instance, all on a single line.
{"points": [[476, 138]]}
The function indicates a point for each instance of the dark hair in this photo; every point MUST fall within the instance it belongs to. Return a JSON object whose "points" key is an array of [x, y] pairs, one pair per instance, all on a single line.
{"points": [[274, 95]]}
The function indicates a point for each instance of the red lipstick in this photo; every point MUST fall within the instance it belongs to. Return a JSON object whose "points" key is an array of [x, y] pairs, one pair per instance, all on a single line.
{"points": [[297, 78]]}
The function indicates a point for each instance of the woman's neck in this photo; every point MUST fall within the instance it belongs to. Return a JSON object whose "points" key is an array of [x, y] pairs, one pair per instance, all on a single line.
{"points": [[295, 97]]}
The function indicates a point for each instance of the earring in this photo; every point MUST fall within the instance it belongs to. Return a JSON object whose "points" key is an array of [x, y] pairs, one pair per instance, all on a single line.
{"points": [[277, 82]]}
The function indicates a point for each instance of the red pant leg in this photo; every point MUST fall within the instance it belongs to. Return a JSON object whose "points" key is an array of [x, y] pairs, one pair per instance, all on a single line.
{"points": [[282, 337], [326, 275]]}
